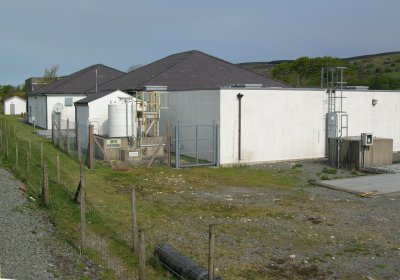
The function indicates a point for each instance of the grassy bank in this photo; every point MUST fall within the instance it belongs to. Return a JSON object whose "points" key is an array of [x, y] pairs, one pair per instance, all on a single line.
{"points": [[168, 207]]}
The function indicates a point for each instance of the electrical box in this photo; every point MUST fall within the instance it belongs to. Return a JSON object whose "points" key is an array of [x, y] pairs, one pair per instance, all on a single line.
{"points": [[367, 139]]}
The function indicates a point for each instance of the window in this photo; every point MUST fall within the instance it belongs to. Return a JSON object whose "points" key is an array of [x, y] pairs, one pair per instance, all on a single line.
{"points": [[68, 101]]}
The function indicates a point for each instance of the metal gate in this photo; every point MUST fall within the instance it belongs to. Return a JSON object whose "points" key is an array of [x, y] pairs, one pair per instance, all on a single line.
{"points": [[195, 145]]}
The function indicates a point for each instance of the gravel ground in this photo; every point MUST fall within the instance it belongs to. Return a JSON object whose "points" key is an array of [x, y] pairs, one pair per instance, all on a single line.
{"points": [[28, 246], [301, 232]]}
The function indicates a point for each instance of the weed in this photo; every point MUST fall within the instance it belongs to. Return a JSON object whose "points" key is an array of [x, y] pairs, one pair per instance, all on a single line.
{"points": [[329, 170], [325, 177]]}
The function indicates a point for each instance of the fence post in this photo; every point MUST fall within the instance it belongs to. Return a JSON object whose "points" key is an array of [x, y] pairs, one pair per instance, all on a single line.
{"points": [[16, 157], [83, 208], [134, 222], [177, 148], [169, 143], [211, 247], [41, 154], [142, 255], [78, 142], [45, 190], [15, 137], [58, 167], [27, 166], [68, 142], [91, 148]]}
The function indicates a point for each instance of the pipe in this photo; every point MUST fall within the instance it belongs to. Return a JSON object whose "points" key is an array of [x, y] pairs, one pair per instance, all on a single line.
{"points": [[181, 265], [239, 97]]}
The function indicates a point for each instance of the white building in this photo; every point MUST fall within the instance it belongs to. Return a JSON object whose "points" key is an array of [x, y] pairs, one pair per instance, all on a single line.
{"points": [[14, 106], [274, 123], [282, 124], [95, 110], [59, 96]]}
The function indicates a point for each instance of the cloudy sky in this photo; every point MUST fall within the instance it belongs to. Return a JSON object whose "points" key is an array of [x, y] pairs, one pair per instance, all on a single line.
{"points": [[35, 34]]}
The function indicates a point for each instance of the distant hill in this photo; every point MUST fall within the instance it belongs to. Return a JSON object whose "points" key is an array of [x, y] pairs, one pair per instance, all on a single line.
{"points": [[378, 71]]}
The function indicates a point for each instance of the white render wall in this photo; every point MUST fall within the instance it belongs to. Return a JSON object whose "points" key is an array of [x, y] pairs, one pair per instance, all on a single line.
{"points": [[383, 119], [282, 124], [277, 124], [96, 113], [68, 112], [20, 105]]}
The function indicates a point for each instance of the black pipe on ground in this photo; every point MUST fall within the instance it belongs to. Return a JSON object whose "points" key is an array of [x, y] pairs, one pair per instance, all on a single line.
{"points": [[181, 265]]}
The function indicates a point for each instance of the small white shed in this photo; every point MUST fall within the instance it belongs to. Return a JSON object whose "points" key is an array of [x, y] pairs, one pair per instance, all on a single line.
{"points": [[14, 106]]}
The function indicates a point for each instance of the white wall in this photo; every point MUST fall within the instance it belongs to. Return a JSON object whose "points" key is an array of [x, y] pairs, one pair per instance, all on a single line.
{"points": [[98, 111], [37, 110], [20, 105], [277, 124], [383, 119], [68, 112]]}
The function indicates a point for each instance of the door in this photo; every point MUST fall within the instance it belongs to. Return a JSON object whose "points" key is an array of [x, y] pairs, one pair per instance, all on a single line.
{"points": [[12, 109]]}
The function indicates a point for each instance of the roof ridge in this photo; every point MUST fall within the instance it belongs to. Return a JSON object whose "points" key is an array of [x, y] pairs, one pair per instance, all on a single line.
{"points": [[188, 53], [64, 80], [242, 68]]}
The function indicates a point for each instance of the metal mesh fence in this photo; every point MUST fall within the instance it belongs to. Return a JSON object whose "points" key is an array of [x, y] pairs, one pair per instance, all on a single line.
{"points": [[113, 246]]}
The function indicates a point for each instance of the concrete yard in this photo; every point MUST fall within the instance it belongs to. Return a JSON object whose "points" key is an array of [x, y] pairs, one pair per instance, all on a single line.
{"points": [[378, 184]]}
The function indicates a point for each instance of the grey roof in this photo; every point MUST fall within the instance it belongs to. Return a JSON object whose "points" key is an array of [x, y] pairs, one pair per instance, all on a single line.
{"points": [[92, 97], [81, 81], [192, 70]]}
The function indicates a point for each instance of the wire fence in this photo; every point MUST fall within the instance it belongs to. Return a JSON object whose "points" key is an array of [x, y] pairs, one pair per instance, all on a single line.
{"points": [[114, 244]]}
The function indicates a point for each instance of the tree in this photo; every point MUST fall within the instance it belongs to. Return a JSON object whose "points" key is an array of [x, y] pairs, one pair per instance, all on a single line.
{"points": [[50, 74]]}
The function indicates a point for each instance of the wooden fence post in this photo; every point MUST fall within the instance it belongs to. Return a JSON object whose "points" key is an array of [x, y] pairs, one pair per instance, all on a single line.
{"points": [[134, 223], [45, 190], [211, 252], [142, 255], [41, 154], [83, 208], [91, 148], [58, 167], [78, 142], [169, 144], [68, 141], [16, 157]]}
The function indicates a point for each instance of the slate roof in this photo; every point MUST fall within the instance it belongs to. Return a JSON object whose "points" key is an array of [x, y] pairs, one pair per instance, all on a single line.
{"points": [[92, 97], [81, 81], [192, 70]]}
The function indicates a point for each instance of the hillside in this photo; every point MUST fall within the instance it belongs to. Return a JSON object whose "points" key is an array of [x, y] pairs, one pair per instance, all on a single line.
{"points": [[378, 71]]}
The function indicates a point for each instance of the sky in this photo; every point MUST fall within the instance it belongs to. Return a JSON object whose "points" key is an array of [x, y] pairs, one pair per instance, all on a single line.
{"points": [[74, 34]]}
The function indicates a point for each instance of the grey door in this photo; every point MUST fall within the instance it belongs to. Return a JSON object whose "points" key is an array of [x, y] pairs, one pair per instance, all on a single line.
{"points": [[12, 109]]}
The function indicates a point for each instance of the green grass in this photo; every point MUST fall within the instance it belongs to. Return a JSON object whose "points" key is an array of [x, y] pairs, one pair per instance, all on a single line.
{"points": [[108, 193]]}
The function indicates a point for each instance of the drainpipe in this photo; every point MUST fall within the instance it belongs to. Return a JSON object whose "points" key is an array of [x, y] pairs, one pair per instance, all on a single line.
{"points": [[239, 97]]}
